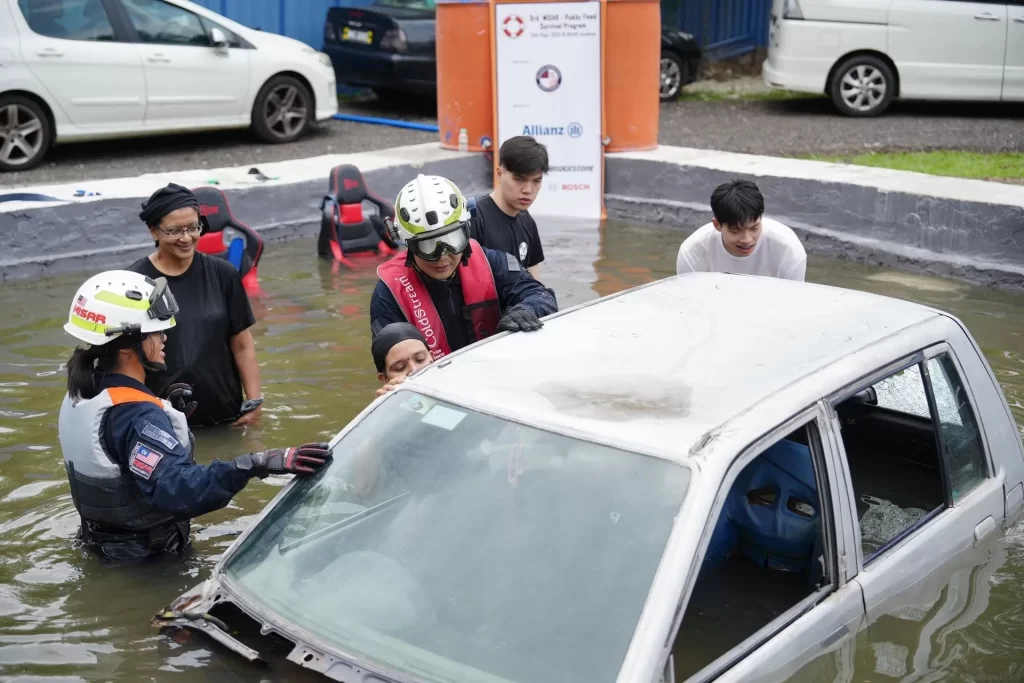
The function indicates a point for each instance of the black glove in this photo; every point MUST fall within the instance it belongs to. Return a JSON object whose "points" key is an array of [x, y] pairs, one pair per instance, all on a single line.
{"points": [[519, 318], [308, 458], [178, 394]]}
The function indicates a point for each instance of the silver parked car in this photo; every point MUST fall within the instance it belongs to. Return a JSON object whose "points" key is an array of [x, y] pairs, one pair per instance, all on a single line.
{"points": [[708, 477]]}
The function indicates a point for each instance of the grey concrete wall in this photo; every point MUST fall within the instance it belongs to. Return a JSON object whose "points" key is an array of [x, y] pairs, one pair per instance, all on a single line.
{"points": [[109, 234], [972, 241]]}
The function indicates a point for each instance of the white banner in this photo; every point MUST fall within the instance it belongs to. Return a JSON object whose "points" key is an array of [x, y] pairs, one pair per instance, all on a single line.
{"points": [[548, 83]]}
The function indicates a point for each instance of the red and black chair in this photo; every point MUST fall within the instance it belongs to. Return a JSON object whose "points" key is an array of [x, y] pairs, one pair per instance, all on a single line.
{"points": [[227, 237], [352, 218]]}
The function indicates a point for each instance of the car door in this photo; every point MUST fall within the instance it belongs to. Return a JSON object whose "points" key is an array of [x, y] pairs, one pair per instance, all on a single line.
{"points": [[1013, 72], [758, 635], [948, 49], [921, 475], [85, 60], [188, 81]]}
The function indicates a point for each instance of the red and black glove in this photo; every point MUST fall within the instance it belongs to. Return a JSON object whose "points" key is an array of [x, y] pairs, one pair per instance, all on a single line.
{"points": [[306, 459]]}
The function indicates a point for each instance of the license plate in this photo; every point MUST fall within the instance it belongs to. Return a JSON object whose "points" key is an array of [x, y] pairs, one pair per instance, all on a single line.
{"points": [[357, 36]]}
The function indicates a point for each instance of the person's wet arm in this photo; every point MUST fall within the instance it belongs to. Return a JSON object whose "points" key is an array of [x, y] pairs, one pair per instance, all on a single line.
{"points": [[168, 478], [516, 287], [243, 347], [384, 310]]}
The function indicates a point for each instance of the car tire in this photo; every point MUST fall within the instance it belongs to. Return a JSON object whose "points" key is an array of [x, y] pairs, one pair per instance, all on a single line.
{"points": [[25, 133], [673, 76], [283, 110], [862, 86]]}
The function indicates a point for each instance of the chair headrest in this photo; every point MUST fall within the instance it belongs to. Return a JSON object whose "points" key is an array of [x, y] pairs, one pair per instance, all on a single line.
{"points": [[348, 185], [213, 205]]}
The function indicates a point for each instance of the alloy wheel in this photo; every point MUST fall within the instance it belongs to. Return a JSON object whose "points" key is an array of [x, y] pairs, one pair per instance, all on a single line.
{"points": [[671, 77], [285, 111], [21, 135], [863, 88]]}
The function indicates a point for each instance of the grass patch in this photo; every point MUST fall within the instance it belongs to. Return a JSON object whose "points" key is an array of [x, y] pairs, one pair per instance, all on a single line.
{"points": [[742, 95], [1000, 166]]}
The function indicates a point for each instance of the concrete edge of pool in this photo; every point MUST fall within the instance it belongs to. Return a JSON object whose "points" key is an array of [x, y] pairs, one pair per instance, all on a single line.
{"points": [[969, 230]]}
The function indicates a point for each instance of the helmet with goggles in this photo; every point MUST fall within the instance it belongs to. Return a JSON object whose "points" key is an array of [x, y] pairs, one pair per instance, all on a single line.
{"points": [[432, 217], [120, 302]]}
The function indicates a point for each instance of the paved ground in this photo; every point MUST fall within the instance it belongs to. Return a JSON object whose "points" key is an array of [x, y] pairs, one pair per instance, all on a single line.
{"points": [[781, 128]]}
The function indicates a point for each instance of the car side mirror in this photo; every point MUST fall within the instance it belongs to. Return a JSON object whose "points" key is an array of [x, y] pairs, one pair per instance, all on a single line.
{"points": [[218, 40]]}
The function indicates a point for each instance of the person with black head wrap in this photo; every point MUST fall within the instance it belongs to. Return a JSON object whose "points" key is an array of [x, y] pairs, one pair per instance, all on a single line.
{"points": [[211, 355], [399, 350]]}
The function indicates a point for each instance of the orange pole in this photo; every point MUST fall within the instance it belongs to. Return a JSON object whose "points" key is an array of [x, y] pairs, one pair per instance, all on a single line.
{"points": [[632, 63], [465, 71]]}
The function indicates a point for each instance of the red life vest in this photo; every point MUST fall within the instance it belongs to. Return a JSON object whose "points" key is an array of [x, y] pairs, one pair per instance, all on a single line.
{"points": [[478, 293]]}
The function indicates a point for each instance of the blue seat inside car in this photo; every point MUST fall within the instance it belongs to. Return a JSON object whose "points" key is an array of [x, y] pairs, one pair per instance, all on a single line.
{"points": [[771, 514]]}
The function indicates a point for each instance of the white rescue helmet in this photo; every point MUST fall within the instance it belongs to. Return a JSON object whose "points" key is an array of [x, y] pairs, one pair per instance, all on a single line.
{"points": [[118, 302], [428, 204]]}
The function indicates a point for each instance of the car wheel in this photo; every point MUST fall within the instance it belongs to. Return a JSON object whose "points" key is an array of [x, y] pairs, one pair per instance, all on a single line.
{"points": [[24, 133], [863, 86], [282, 111], [672, 71]]}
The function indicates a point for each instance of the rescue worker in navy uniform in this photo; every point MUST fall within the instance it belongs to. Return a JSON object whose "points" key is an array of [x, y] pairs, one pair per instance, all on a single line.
{"points": [[452, 289], [128, 454]]}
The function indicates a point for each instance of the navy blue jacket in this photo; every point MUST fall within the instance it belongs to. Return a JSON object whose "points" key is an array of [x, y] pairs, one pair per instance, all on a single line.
{"points": [[176, 485], [514, 284]]}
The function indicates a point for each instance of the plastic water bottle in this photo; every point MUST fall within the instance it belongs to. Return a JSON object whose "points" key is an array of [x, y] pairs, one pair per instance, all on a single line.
{"points": [[463, 140]]}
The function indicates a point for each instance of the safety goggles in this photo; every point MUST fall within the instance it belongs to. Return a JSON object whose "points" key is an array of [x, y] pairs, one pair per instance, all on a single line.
{"points": [[162, 304], [434, 244]]}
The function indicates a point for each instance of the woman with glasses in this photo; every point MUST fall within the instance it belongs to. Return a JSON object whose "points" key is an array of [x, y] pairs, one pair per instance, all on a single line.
{"points": [[128, 455], [210, 352], [452, 289]]}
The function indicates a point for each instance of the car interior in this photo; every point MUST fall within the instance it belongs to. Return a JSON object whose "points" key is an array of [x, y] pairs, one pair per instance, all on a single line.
{"points": [[765, 555]]}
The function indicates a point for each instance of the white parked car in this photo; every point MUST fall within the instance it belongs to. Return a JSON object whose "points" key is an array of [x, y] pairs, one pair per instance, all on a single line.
{"points": [[75, 70], [708, 477], [865, 54]]}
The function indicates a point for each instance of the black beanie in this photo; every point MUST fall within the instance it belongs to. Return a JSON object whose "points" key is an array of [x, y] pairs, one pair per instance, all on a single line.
{"points": [[166, 200], [390, 335]]}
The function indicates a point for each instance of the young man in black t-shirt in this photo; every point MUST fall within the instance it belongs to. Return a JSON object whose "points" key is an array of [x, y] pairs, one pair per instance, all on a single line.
{"points": [[210, 348], [502, 220]]}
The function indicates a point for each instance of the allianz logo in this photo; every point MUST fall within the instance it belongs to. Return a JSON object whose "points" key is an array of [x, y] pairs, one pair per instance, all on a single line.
{"points": [[573, 130]]}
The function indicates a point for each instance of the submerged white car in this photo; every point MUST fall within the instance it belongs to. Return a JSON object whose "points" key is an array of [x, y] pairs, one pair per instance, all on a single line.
{"points": [[708, 477], [94, 69]]}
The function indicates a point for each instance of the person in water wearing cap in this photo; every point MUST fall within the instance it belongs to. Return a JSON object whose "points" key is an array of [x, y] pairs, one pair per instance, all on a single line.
{"points": [[129, 455], [452, 289], [210, 352], [399, 350]]}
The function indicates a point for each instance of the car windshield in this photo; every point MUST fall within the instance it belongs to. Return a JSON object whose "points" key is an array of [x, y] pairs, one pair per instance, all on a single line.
{"points": [[448, 544]]}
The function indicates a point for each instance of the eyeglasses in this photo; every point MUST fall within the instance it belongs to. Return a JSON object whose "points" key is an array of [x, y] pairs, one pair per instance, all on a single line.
{"points": [[194, 229], [433, 247]]}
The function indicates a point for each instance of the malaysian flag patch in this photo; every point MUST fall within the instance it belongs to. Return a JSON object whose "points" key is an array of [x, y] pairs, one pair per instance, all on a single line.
{"points": [[143, 460]]}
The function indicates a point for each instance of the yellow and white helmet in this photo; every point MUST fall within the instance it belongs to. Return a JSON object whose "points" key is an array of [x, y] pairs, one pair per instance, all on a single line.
{"points": [[428, 207], [119, 302]]}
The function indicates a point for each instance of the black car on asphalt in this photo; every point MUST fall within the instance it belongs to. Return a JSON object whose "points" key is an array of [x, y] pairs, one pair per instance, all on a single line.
{"points": [[389, 46]]}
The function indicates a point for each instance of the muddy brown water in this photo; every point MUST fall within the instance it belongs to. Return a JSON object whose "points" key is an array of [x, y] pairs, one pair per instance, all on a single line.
{"points": [[65, 616]]}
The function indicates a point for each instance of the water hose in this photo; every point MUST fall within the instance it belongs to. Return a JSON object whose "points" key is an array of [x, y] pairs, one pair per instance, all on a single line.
{"points": [[27, 197], [431, 127]]}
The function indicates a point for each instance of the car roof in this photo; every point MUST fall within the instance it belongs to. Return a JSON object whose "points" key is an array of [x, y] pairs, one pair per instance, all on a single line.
{"points": [[655, 368]]}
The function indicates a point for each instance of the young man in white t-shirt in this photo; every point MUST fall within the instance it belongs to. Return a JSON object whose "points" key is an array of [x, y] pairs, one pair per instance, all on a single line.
{"points": [[741, 240]]}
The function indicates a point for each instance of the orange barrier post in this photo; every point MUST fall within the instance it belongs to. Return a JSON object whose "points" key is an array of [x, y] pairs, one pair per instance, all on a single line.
{"points": [[632, 63], [465, 74]]}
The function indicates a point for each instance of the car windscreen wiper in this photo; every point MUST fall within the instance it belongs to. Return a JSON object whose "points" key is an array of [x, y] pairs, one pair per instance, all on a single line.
{"points": [[351, 519]]}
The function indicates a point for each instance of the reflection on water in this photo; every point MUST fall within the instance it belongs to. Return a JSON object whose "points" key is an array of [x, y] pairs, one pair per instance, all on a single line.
{"points": [[65, 616]]}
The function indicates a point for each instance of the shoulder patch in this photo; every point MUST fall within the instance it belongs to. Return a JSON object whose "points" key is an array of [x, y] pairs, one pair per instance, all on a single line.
{"points": [[157, 434], [513, 264], [143, 460]]}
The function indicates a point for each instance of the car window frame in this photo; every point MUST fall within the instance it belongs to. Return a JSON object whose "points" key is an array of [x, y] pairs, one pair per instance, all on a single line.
{"points": [[121, 32], [829, 494], [919, 357], [136, 38]]}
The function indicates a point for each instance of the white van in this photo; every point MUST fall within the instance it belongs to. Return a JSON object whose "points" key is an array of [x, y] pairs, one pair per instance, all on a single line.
{"points": [[865, 53]]}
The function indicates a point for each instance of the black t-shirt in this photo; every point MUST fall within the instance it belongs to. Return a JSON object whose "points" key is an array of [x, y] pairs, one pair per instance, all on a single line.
{"points": [[213, 308], [516, 235]]}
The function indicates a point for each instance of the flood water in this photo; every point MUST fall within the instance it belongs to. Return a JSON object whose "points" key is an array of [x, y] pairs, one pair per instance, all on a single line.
{"points": [[64, 616]]}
